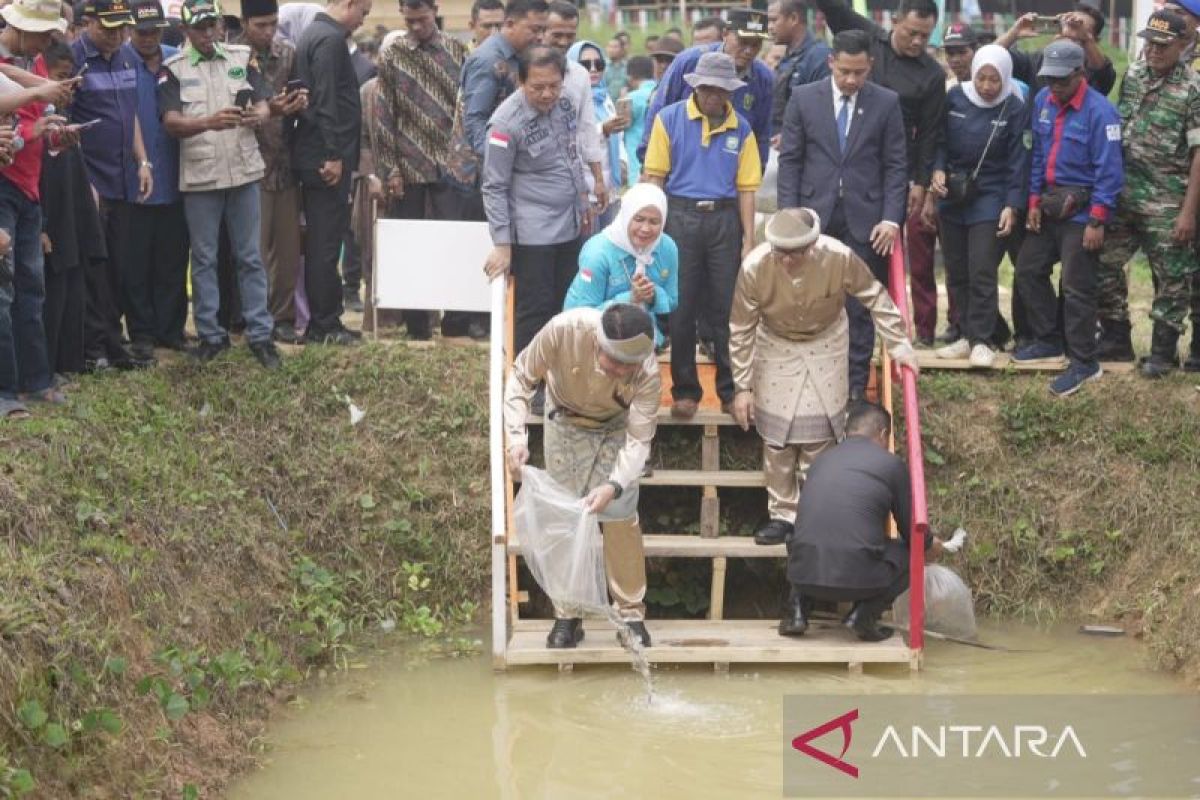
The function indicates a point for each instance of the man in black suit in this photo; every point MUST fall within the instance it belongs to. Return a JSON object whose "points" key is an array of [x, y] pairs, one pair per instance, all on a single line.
{"points": [[841, 551], [843, 156]]}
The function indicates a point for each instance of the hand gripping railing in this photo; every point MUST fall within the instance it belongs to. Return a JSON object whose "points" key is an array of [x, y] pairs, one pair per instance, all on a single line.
{"points": [[916, 463]]}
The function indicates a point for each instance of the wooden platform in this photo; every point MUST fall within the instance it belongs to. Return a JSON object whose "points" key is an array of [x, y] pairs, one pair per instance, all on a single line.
{"points": [[927, 359], [686, 545], [709, 642]]}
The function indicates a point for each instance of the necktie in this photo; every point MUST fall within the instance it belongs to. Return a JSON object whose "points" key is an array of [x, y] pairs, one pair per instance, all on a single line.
{"points": [[843, 122]]}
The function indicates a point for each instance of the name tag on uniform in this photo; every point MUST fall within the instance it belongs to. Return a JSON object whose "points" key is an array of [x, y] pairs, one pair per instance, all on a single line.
{"points": [[535, 135], [1113, 132]]}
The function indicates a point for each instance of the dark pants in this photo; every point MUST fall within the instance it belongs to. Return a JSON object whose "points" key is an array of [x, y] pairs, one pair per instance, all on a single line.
{"points": [[327, 217], [352, 266], [542, 273], [62, 317], [710, 257], [862, 327], [921, 242], [115, 217], [1060, 242], [972, 254], [424, 201], [872, 602], [154, 273], [101, 320], [24, 365]]}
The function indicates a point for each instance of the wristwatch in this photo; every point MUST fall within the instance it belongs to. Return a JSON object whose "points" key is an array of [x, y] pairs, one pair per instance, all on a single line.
{"points": [[145, 164], [617, 490]]}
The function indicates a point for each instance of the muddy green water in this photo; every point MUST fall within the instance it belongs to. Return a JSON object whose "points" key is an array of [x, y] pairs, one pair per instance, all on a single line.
{"points": [[408, 726]]}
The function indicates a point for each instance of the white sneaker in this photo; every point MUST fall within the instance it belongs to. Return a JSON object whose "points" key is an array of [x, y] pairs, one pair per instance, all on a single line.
{"points": [[959, 349], [982, 356]]}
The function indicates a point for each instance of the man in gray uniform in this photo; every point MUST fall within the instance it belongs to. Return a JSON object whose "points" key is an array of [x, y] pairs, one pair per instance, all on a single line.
{"points": [[534, 192]]}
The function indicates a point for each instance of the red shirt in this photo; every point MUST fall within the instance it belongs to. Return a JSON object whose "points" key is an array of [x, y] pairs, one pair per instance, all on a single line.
{"points": [[25, 172]]}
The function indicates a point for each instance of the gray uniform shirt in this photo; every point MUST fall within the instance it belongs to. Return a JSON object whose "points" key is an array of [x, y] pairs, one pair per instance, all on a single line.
{"points": [[533, 184]]}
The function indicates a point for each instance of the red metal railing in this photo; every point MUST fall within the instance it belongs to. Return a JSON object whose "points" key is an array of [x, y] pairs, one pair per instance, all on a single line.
{"points": [[916, 463]]}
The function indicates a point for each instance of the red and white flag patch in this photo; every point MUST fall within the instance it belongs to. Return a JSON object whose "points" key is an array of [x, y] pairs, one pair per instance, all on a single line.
{"points": [[586, 274], [499, 139]]}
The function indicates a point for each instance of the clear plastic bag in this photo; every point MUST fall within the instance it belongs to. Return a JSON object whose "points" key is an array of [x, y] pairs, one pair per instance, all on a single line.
{"points": [[561, 542], [949, 608]]}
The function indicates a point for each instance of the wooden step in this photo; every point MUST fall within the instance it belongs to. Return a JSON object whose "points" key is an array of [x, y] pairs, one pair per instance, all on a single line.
{"points": [[708, 641], [685, 545], [703, 417], [734, 479], [927, 359]]}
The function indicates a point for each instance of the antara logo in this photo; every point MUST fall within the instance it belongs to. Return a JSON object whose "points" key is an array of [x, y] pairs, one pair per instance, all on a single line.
{"points": [[843, 722]]}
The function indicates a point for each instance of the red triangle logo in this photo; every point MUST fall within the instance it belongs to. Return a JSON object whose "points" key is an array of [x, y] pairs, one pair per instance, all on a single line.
{"points": [[802, 742]]}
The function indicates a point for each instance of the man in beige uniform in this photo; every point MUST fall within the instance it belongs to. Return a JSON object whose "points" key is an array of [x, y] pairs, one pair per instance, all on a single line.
{"points": [[788, 344], [602, 396]]}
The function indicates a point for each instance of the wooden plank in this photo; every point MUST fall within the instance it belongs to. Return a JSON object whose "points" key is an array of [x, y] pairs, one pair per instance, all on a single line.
{"points": [[708, 641], [927, 359], [716, 600], [705, 417], [736, 479], [683, 545], [710, 503]]}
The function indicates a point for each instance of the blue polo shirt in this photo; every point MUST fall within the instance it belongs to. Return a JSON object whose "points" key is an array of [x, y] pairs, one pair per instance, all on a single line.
{"points": [[108, 93], [752, 102], [162, 150], [699, 162]]}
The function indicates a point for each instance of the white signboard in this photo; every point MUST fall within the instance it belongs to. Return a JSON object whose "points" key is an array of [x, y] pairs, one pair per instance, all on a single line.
{"points": [[432, 264]]}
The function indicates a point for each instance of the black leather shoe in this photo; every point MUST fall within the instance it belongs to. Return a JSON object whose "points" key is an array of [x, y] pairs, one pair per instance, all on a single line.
{"points": [[142, 349], [207, 351], [266, 354], [565, 634], [851, 616], [637, 629], [774, 532], [286, 332], [340, 338], [795, 621], [868, 629]]}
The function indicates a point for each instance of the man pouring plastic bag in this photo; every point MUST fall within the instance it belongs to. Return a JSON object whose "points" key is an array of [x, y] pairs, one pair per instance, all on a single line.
{"points": [[602, 395]]}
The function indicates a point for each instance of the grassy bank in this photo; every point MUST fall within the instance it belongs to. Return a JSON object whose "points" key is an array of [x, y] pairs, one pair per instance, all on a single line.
{"points": [[179, 548]]}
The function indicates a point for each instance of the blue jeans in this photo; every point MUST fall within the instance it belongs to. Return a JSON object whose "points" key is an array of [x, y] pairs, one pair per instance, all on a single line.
{"points": [[240, 209], [24, 364]]}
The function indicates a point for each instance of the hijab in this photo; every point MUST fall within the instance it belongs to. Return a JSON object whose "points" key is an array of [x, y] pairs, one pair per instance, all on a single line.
{"points": [[602, 104], [642, 195], [995, 56], [294, 18]]}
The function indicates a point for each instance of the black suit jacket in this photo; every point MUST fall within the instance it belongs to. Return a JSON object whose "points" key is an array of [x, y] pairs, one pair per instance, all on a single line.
{"points": [[841, 525], [331, 127], [871, 178]]}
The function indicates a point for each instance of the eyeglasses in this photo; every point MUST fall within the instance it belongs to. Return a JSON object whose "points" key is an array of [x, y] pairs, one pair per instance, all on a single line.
{"points": [[592, 64]]}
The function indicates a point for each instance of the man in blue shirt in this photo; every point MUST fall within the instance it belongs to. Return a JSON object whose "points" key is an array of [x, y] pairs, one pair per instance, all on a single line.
{"points": [[1076, 177], [154, 281], [806, 60], [742, 42]]}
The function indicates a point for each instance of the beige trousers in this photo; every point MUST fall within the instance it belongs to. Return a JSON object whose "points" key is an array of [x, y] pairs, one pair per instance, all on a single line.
{"points": [[280, 226], [779, 468]]}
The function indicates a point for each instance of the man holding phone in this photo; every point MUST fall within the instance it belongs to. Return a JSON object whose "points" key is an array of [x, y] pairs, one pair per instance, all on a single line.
{"points": [[219, 170], [1082, 25]]}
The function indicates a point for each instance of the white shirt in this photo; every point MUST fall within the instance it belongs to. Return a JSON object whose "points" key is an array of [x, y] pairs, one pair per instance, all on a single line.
{"points": [[578, 87], [837, 105]]}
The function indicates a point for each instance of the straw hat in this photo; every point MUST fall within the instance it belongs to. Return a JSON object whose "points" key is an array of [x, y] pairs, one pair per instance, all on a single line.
{"points": [[35, 16]]}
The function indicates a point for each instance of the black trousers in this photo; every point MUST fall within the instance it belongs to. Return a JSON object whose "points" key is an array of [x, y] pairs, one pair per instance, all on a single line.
{"points": [[62, 316], [543, 274], [424, 201], [154, 273], [352, 266], [101, 319], [115, 217], [1060, 242], [862, 327], [872, 602], [972, 254], [710, 257], [229, 309], [327, 219]]}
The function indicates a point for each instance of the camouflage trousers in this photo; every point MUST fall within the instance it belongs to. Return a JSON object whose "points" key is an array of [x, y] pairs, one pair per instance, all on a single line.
{"points": [[1172, 267]]}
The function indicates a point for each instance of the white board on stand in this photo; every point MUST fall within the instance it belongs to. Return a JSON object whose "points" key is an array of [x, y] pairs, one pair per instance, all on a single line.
{"points": [[432, 264]]}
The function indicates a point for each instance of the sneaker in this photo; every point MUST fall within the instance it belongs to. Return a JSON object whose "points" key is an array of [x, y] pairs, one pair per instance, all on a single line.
{"points": [[285, 333], [266, 354], [352, 301], [982, 356], [1074, 378], [1037, 351], [207, 351], [959, 349]]}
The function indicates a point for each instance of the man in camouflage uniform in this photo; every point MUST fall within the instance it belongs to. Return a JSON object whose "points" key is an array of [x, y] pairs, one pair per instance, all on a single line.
{"points": [[1160, 115], [1190, 11]]}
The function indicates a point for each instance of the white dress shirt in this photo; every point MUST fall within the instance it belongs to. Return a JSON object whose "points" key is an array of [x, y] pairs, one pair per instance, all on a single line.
{"points": [[837, 105]]}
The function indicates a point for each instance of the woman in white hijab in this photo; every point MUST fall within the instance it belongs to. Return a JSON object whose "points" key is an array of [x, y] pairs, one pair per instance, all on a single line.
{"points": [[294, 18], [980, 175], [631, 261]]}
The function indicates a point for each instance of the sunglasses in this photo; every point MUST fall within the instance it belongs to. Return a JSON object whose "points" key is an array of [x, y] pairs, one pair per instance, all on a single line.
{"points": [[592, 64]]}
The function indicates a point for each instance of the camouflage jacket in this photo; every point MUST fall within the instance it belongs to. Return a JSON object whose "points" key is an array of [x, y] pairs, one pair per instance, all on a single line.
{"points": [[1160, 121]]}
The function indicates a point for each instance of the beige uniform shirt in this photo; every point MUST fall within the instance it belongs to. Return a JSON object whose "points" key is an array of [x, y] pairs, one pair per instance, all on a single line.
{"points": [[564, 355], [801, 308]]}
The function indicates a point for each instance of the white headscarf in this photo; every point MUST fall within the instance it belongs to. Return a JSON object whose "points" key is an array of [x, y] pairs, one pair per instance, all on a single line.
{"points": [[642, 195], [995, 56], [294, 18]]}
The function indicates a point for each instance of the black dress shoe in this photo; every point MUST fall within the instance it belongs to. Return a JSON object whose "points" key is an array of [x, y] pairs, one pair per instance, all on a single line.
{"points": [[285, 332], [868, 629], [341, 337], [637, 629], [142, 349], [795, 621], [565, 634], [207, 351], [266, 354], [95, 366], [179, 345], [774, 532], [851, 616], [478, 331]]}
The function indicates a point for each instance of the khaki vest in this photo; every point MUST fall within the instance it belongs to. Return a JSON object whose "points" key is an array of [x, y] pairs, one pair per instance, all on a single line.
{"points": [[215, 159]]}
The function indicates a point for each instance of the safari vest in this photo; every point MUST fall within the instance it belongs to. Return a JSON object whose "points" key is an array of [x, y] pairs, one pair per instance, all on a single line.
{"points": [[215, 159]]}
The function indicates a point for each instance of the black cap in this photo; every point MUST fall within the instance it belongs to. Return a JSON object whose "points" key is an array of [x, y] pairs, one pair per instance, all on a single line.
{"points": [[1164, 27], [748, 22], [960, 34], [148, 15], [259, 8], [110, 13]]}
